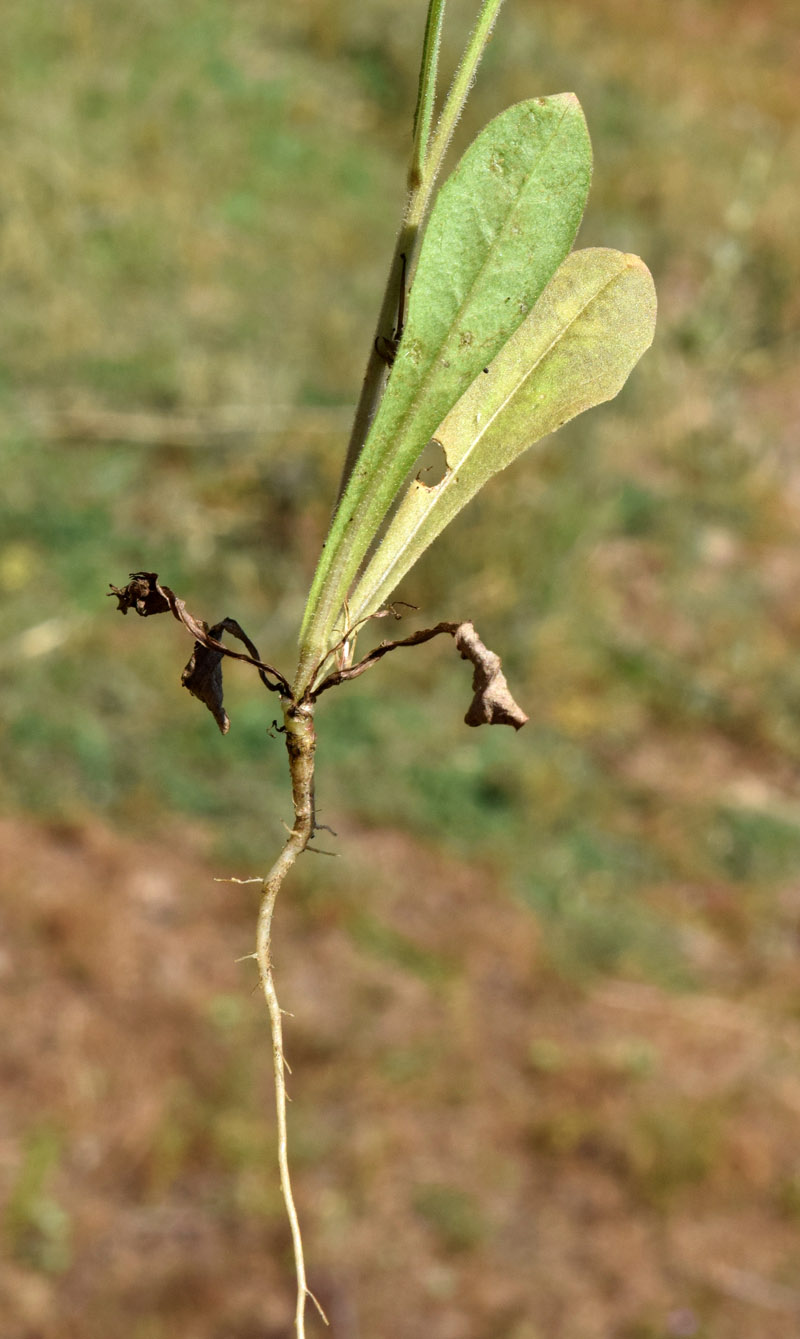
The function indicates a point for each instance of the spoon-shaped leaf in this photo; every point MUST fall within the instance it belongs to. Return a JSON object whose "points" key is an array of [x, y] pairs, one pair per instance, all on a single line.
{"points": [[500, 227], [588, 330]]}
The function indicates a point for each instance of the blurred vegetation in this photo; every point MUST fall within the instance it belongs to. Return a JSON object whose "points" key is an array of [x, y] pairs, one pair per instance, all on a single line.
{"points": [[36, 1225], [199, 199]]}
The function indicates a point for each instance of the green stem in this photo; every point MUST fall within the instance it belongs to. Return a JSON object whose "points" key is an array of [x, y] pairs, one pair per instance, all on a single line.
{"points": [[327, 599], [406, 245], [426, 97], [459, 90]]}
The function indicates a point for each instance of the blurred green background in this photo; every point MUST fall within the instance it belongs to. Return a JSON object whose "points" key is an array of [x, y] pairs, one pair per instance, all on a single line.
{"points": [[198, 204]]}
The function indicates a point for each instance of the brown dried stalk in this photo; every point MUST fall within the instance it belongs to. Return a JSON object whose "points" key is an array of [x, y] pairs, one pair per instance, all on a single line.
{"points": [[492, 704]]}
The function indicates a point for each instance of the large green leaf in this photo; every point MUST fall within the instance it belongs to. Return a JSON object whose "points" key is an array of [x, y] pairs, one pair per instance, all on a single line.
{"points": [[501, 225], [587, 331]]}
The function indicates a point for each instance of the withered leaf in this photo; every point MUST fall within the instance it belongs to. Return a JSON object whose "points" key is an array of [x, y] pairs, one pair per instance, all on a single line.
{"points": [[143, 594], [203, 674], [492, 703], [203, 677]]}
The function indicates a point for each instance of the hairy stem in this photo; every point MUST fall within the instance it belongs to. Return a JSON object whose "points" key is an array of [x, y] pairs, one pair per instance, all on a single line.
{"points": [[426, 160], [459, 89], [428, 151], [426, 96], [300, 744], [377, 369]]}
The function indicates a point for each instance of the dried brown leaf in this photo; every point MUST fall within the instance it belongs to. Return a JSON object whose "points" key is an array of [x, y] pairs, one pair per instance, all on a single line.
{"points": [[203, 677], [203, 674], [143, 594], [492, 703]]}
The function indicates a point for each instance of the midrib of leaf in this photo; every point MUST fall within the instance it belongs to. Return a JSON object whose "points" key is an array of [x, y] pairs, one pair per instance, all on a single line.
{"points": [[434, 359], [451, 475], [490, 249], [499, 236], [423, 512], [544, 354], [382, 488]]}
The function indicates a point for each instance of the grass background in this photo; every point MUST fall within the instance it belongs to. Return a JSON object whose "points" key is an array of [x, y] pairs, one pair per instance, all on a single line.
{"points": [[199, 200]]}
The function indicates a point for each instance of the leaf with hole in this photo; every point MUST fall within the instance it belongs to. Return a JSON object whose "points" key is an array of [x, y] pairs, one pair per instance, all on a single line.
{"points": [[501, 225], [576, 349]]}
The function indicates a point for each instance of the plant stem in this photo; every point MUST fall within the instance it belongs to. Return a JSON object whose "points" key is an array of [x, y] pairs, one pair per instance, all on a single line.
{"points": [[427, 154], [426, 96], [377, 370], [300, 745], [459, 89], [426, 161]]}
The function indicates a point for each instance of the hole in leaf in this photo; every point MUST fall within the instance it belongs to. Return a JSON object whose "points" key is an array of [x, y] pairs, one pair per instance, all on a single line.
{"points": [[432, 465]]}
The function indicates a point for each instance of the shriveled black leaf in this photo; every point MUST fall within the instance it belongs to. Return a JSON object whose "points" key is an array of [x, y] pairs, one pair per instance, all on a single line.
{"points": [[143, 594], [146, 595], [492, 703], [203, 677], [203, 674]]}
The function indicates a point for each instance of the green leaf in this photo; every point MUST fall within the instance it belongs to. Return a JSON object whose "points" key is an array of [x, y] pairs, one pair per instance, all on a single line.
{"points": [[586, 333], [501, 225]]}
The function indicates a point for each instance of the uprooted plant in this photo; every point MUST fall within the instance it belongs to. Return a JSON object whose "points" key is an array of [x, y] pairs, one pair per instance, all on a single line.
{"points": [[492, 334]]}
